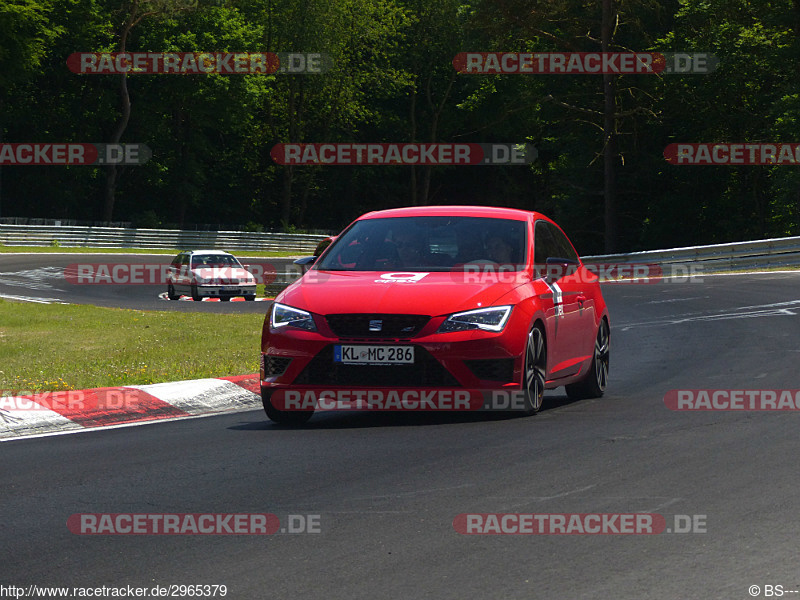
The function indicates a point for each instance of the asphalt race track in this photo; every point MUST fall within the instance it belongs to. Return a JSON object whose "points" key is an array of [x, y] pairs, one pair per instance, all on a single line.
{"points": [[40, 277], [387, 487]]}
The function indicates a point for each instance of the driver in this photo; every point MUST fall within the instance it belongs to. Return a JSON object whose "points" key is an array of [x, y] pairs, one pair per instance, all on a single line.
{"points": [[411, 249], [499, 249]]}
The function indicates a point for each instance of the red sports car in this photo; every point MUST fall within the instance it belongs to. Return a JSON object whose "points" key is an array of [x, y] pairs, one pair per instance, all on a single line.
{"points": [[456, 297]]}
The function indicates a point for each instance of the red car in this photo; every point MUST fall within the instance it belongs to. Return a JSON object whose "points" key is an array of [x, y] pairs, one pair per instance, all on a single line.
{"points": [[456, 297]]}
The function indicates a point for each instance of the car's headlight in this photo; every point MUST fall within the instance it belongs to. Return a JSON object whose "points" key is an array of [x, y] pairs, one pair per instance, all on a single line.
{"points": [[487, 319], [283, 316]]}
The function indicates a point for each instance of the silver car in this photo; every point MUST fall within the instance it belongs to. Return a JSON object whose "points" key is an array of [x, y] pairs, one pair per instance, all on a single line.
{"points": [[210, 274]]}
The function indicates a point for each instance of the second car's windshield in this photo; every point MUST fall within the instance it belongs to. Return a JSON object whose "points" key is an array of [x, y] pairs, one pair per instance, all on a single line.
{"points": [[213, 260], [427, 244]]}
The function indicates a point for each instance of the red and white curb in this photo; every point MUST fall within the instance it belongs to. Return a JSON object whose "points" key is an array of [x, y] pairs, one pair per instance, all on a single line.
{"points": [[52, 413]]}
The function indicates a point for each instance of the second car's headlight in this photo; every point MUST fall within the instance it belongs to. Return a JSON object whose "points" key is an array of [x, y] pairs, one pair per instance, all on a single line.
{"points": [[487, 319], [283, 316]]}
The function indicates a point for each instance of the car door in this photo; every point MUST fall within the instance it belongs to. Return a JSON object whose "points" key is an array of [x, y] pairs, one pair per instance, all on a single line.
{"points": [[568, 315], [184, 276], [172, 271]]}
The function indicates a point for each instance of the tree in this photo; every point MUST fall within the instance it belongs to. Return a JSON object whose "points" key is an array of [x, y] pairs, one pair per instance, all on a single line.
{"points": [[26, 32], [133, 13]]}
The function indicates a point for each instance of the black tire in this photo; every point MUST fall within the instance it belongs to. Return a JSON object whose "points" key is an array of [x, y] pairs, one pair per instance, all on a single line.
{"points": [[225, 298], [284, 417], [534, 372], [596, 380], [250, 297], [195, 294], [171, 292]]}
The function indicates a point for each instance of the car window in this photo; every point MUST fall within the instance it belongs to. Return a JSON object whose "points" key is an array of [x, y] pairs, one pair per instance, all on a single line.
{"points": [[561, 244], [544, 246], [549, 242], [213, 260], [427, 244]]}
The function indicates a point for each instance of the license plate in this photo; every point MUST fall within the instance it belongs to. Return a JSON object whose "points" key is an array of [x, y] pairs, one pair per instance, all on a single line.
{"points": [[230, 288], [373, 355]]}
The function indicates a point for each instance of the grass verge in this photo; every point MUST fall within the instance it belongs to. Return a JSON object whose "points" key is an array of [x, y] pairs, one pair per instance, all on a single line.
{"points": [[46, 347]]}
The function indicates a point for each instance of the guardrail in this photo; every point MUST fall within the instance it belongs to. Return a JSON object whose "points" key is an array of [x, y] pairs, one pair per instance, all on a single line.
{"points": [[674, 262], [778, 252], [113, 237]]}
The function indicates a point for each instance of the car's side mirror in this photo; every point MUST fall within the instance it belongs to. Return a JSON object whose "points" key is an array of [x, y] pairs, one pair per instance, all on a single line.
{"points": [[305, 262], [557, 267]]}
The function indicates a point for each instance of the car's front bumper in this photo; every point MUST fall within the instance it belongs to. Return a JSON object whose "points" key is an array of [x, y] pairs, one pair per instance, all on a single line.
{"points": [[472, 359], [226, 291]]}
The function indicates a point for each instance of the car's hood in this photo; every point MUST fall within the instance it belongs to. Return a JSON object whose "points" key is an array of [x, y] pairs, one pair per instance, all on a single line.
{"points": [[377, 292]]}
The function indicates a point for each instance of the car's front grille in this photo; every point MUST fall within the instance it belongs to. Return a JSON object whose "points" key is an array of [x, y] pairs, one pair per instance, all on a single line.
{"points": [[276, 365], [376, 326], [425, 372], [501, 369]]}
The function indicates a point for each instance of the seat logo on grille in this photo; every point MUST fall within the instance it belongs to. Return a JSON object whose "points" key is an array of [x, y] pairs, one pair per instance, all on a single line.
{"points": [[375, 324]]}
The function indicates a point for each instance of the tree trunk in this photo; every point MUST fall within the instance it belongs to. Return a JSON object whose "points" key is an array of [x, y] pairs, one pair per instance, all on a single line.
{"points": [[122, 124], [413, 117], [433, 135], [286, 195], [2, 125], [295, 104], [609, 134]]}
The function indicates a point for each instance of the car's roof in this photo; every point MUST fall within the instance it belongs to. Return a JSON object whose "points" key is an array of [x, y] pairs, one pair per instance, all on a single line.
{"points": [[205, 252], [495, 212]]}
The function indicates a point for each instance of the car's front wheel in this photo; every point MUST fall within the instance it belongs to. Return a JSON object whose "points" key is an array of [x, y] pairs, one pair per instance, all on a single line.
{"points": [[596, 380], [284, 417], [534, 371], [171, 292], [195, 293]]}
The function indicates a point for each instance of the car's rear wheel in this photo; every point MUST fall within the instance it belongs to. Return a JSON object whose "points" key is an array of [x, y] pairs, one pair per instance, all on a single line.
{"points": [[195, 293], [534, 371], [594, 384], [284, 417], [171, 292]]}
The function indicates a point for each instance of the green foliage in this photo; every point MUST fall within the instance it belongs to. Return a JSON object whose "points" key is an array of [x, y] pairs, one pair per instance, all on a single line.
{"points": [[392, 80]]}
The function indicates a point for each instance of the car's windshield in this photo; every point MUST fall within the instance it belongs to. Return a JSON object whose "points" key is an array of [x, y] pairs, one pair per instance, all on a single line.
{"points": [[428, 244], [200, 261]]}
